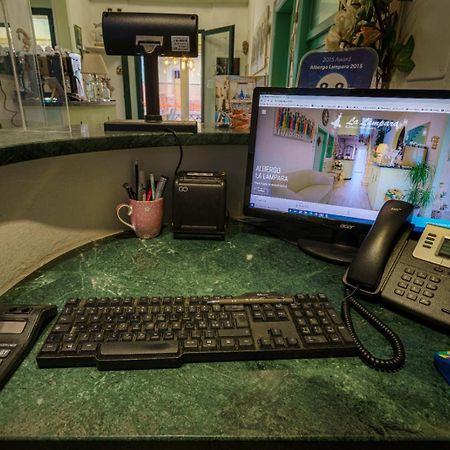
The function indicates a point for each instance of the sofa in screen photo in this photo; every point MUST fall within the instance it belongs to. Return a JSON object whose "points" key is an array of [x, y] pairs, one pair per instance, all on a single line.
{"points": [[306, 185]]}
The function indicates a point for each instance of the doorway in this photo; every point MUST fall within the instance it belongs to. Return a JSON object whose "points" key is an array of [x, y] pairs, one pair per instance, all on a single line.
{"points": [[320, 149], [218, 52]]}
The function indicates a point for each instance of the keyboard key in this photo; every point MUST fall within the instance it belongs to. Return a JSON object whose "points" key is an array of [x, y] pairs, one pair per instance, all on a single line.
{"points": [[345, 334], [237, 332], [209, 344], [112, 349], [265, 343], [69, 348], [233, 308], [50, 347], [292, 342], [245, 343], [241, 320], [88, 347], [320, 339], [191, 344], [227, 343]]}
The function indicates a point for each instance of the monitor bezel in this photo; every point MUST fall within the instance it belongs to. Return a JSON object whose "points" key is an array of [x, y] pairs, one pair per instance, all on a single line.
{"points": [[330, 222]]}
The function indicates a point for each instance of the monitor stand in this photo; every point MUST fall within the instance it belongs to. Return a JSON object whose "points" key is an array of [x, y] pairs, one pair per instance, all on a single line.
{"points": [[334, 252], [152, 120], [335, 242]]}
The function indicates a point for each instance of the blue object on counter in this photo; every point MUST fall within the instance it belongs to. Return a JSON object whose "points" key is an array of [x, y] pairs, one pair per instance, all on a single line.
{"points": [[442, 363]]}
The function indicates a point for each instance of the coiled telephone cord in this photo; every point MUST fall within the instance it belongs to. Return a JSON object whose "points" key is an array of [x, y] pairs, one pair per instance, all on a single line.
{"points": [[385, 365]]}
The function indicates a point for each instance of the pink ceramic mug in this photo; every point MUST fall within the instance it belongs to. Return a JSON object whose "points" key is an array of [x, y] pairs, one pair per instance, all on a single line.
{"points": [[146, 217]]}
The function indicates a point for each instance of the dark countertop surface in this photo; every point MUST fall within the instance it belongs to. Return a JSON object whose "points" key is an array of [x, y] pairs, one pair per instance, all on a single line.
{"points": [[309, 403], [17, 145]]}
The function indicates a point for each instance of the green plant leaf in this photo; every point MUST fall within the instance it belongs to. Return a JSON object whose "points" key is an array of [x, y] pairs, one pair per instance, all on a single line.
{"points": [[405, 66], [402, 56], [426, 197], [408, 48]]}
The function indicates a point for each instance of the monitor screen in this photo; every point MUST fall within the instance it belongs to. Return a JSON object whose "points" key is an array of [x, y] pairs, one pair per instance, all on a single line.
{"points": [[336, 154]]}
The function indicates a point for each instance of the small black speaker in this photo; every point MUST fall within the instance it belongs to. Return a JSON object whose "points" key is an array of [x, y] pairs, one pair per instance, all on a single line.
{"points": [[199, 205]]}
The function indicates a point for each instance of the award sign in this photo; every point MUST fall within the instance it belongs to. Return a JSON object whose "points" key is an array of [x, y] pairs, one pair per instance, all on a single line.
{"points": [[353, 68]]}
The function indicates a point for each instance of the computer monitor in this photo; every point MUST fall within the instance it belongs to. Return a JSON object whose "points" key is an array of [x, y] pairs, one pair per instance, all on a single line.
{"points": [[322, 162], [150, 35]]}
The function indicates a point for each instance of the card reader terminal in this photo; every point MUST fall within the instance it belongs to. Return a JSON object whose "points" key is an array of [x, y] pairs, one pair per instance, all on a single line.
{"points": [[20, 326]]}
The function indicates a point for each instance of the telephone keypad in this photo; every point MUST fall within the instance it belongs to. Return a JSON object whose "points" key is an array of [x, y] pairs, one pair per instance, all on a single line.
{"points": [[427, 287]]}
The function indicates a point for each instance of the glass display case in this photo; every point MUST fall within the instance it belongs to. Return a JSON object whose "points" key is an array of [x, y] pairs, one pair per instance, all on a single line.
{"points": [[32, 78]]}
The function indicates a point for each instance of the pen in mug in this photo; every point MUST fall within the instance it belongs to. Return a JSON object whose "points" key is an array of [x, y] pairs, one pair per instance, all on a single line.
{"points": [[149, 195], [160, 187], [142, 193], [129, 190], [136, 175], [141, 189], [152, 185]]}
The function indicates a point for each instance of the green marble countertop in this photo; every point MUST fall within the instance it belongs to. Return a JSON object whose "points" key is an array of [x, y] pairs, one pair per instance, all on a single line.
{"points": [[251, 404], [17, 145]]}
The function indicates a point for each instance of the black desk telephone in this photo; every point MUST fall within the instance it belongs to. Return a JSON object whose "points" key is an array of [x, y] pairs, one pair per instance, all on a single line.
{"points": [[411, 275]]}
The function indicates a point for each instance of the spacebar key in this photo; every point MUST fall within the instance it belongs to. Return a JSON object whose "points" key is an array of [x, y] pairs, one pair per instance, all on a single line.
{"points": [[138, 355], [234, 332]]}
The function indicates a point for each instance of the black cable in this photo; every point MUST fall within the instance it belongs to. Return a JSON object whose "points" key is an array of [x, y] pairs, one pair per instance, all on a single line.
{"points": [[14, 113], [170, 130], [385, 365]]}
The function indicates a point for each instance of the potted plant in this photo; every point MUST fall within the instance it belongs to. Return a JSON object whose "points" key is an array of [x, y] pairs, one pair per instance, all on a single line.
{"points": [[375, 24], [421, 192]]}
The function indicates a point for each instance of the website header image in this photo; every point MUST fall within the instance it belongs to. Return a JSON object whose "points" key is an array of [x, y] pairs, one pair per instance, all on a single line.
{"points": [[353, 158]]}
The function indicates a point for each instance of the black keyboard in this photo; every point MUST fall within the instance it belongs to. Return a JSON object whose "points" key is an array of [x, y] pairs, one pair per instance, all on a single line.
{"points": [[157, 332]]}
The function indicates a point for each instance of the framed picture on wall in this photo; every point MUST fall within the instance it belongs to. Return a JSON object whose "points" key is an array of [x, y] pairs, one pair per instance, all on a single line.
{"points": [[260, 44], [78, 38]]}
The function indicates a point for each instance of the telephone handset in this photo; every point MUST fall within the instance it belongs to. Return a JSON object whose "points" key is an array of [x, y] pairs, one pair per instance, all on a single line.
{"points": [[411, 275], [389, 231]]}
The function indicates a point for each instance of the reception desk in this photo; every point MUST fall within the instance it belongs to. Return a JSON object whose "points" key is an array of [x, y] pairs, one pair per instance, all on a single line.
{"points": [[60, 238], [59, 190], [285, 404]]}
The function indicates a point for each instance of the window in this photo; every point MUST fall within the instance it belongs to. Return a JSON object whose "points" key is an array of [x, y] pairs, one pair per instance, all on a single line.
{"points": [[170, 88], [44, 29]]}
